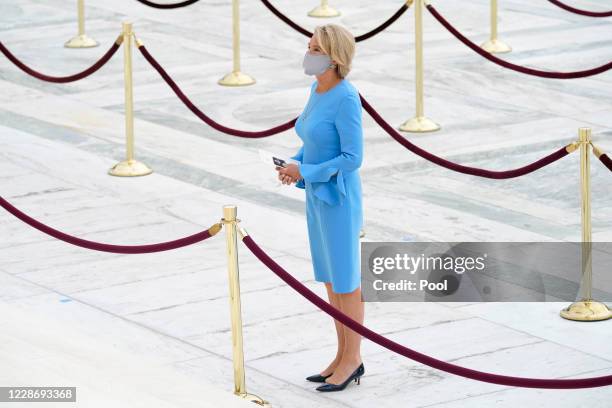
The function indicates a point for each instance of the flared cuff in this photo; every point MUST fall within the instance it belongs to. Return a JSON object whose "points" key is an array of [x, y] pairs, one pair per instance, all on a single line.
{"points": [[327, 184], [317, 173]]}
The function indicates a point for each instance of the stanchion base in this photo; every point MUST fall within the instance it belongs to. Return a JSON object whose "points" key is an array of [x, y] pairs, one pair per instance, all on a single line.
{"points": [[236, 78], [323, 11], [81, 41], [496, 47], [254, 398], [586, 310], [419, 124], [130, 168]]}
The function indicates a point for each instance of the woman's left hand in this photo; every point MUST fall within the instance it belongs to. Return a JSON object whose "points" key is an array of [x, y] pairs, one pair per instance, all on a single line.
{"points": [[289, 174]]}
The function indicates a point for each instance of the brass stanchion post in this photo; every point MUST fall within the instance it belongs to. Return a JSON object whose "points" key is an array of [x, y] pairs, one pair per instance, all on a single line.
{"points": [[494, 45], [230, 222], [586, 309], [236, 78], [81, 40], [419, 123], [129, 167], [323, 10]]}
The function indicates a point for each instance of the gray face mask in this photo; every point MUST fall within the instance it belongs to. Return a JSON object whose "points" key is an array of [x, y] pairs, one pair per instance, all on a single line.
{"points": [[316, 64]]}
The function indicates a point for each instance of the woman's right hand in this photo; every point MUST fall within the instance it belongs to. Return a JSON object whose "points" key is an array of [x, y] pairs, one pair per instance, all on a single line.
{"points": [[289, 174]]}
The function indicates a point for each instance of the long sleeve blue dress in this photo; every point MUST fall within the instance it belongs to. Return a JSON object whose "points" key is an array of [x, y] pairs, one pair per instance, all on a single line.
{"points": [[332, 152]]}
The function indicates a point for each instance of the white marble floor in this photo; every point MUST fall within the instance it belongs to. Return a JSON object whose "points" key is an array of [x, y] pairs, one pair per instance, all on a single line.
{"points": [[171, 309]]}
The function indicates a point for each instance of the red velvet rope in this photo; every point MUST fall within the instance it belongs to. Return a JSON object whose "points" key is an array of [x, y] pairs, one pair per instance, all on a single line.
{"points": [[515, 67], [605, 159], [415, 149], [168, 6], [202, 115], [119, 249], [581, 12], [358, 38], [70, 78], [506, 174], [412, 354]]}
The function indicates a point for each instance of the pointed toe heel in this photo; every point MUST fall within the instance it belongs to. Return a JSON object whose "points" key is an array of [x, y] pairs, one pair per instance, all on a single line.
{"points": [[356, 376], [318, 378]]}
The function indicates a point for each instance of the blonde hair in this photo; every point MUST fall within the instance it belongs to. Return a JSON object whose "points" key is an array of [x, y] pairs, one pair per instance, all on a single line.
{"points": [[337, 42]]}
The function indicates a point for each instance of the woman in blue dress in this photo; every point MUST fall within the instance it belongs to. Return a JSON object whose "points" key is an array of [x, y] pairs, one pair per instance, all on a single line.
{"points": [[327, 168]]}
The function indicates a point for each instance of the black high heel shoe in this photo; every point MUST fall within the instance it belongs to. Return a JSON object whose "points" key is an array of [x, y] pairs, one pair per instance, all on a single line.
{"points": [[339, 387], [318, 377]]}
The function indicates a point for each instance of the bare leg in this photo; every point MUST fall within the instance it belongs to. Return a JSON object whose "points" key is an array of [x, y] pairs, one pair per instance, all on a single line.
{"points": [[334, 299], [351, 305]]}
